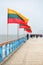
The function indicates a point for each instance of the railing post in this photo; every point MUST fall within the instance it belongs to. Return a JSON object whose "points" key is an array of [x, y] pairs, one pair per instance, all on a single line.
{"points": [[0, 53]]}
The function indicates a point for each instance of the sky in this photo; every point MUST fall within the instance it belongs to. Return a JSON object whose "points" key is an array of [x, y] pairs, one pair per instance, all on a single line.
{"points": [[32, 9]]}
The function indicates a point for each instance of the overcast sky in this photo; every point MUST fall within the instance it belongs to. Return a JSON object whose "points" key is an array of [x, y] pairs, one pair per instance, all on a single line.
{"points": [[32, 9]]}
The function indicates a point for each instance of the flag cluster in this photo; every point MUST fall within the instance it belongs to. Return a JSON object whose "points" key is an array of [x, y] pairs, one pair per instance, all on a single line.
{"points": [[17, 18]]}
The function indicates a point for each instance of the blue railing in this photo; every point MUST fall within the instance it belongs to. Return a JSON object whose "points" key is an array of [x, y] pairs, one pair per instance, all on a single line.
{"points": [[7, 49]]}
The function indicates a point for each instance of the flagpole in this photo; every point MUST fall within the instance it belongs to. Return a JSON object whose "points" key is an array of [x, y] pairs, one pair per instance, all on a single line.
{"points": [[7, 31], [18, 31], [7, 26]]}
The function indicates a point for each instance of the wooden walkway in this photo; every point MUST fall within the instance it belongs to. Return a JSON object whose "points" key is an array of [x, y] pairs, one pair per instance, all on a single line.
{"points": [[30, 53]]}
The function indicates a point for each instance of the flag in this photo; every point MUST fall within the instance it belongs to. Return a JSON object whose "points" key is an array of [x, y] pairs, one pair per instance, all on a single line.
{"points": [[24, 26], [15, 14], [28, 30]]}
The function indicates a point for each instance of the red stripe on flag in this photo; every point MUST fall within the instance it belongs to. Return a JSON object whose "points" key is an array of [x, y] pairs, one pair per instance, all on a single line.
{"points": [[15, 20], [25, 26], [30, 31]]}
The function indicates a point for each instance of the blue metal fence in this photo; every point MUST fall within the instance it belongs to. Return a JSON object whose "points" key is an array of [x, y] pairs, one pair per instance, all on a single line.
{"points": [[7, 49]]}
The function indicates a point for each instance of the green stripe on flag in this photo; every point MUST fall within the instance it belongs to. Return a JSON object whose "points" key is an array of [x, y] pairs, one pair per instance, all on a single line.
{"points": [[14, 16]]}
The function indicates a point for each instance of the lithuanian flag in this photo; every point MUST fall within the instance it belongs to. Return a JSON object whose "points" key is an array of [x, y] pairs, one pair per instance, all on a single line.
{"points": [[14, 15], [28, 30], [24, 26]]}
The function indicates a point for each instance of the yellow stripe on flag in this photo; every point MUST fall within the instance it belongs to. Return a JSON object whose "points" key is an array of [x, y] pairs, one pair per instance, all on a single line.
{"points": [[11, 11]]}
